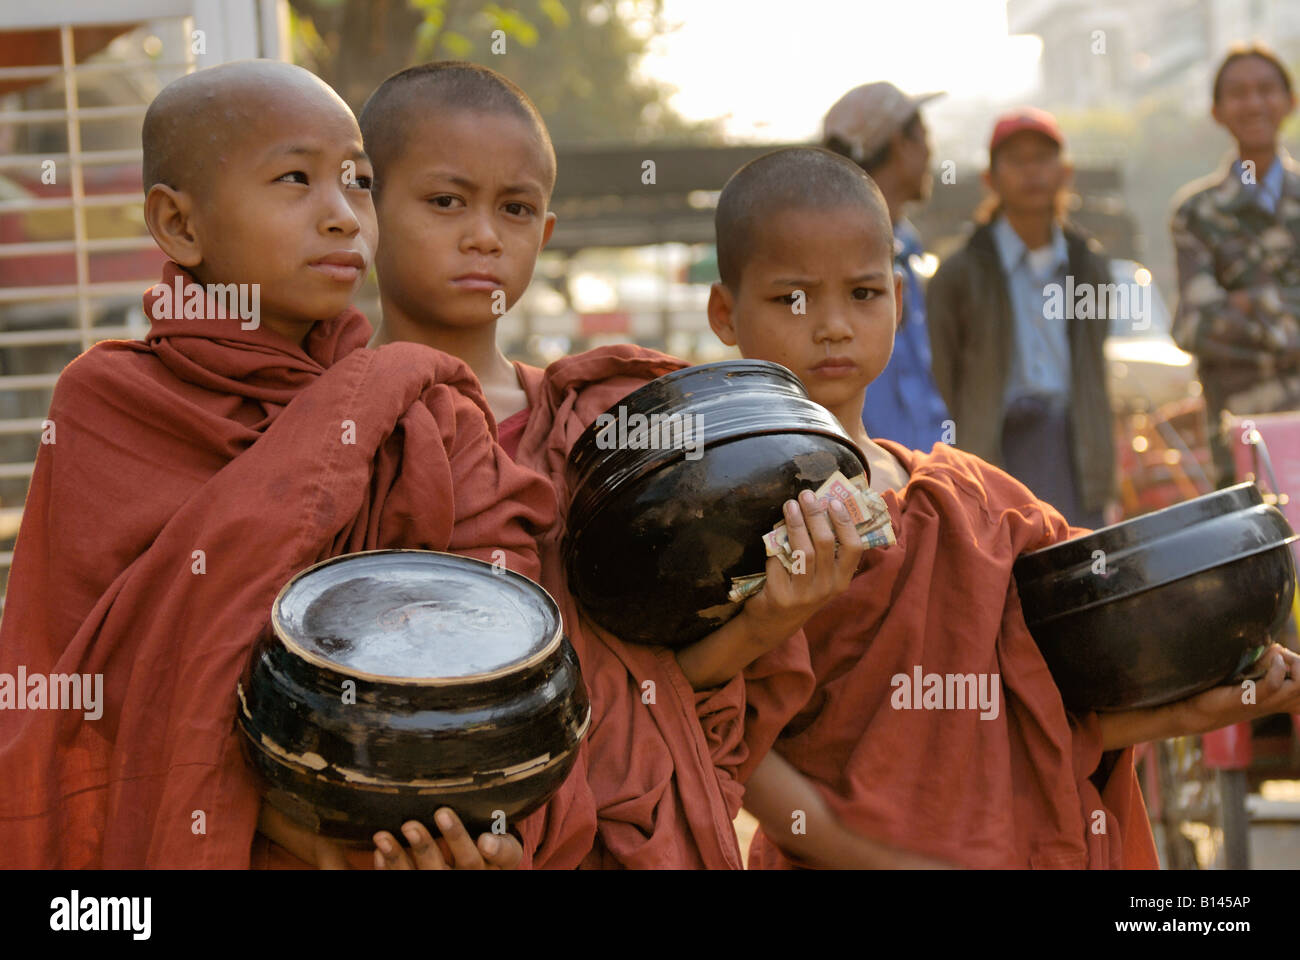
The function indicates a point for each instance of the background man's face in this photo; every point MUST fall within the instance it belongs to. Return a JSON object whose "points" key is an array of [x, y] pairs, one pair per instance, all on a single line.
{"points": [[1252, 103], [1027, 173]]}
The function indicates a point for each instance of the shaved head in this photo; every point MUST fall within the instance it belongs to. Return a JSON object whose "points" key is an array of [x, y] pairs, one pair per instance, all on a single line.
{"points": [[197, 118], [795, 177], [425, 90]]}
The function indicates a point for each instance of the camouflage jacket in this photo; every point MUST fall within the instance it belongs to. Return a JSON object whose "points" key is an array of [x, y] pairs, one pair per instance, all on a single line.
{"points": [[1249, 359]]}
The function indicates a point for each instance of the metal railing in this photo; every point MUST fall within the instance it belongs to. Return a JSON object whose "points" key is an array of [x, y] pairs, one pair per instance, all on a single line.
{"points": [[48, 312]]}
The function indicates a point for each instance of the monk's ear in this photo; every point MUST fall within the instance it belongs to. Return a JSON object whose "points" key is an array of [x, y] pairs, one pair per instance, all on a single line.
{"points": [[722, 316], [169, 214], [548, 229], [898, 299]]}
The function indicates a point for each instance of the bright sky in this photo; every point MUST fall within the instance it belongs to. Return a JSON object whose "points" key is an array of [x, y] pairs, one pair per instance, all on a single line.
{"points": [[776, 66]]}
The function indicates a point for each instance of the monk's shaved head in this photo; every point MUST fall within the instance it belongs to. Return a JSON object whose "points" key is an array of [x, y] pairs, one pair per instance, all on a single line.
{"points": [[198, 117], [425, 90], [795, 177]]}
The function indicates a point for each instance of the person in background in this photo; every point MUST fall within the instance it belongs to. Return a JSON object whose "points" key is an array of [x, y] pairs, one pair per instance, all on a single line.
{"points": [[879, 128], [1026, 383], [1235, 233]]}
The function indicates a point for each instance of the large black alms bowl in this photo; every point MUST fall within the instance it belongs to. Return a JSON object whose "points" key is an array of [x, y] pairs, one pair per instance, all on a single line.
{"points": [[399, 681], [654, 537], [1188, 599]]}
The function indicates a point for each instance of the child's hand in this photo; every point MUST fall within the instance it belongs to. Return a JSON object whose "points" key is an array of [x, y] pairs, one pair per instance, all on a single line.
{"points": [[831, 552], [778, 611], [1277, 691], [454, 850]]}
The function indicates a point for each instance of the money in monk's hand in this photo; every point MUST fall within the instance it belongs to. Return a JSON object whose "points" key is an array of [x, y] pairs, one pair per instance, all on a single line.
{"points": [[866, 508], [742, 588]]}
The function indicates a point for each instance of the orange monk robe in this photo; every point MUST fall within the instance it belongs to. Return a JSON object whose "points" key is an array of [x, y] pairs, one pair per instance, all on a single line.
{"points": [[191, 476], [1020, 788], [665, 763]]}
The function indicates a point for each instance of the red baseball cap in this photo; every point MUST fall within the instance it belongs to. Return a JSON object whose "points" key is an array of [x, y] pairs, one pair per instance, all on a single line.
{"points": [[1022, 119]]}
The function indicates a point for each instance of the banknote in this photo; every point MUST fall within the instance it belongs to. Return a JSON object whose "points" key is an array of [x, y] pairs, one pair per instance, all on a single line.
{"points": [[742, 588], [867, 509]]}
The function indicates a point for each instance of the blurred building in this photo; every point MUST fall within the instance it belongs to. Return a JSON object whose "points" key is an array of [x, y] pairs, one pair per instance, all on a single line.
{"points": [[1117, 52]]}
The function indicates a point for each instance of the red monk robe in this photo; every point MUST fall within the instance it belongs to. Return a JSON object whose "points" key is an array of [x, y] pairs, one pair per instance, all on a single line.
{"points": [[667, 776], [1015, 790], [193, 474]]}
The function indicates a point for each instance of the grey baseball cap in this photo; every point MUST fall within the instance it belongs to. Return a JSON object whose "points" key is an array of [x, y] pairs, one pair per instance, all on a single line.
{"points": [[867, 116]]}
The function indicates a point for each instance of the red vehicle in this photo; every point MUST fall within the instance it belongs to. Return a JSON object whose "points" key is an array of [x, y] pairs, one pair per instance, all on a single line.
{"points": [[1198, 789]]}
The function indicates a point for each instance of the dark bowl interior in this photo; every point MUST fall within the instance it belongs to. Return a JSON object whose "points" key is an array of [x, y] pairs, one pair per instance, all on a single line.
{"points": [[1161, 607], [655, 536], [400, 681]]}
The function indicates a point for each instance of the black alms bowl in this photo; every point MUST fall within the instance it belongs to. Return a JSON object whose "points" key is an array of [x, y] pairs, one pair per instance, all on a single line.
{"points": [[656, 530], [399, 681], [1164, 606]]}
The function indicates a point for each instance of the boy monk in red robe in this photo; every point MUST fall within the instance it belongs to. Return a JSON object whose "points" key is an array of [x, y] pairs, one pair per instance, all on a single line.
{"points": [[867, 775], [198, 470], [464, 172]]}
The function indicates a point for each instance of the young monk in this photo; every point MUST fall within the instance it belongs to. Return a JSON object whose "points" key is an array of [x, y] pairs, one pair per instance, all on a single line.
{"points": [[464, 173], [861, 777], [195, 472]]}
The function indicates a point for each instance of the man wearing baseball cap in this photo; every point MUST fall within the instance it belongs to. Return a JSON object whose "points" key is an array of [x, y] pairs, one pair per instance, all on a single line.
{"points": [[879, 127], [1025, 381]]}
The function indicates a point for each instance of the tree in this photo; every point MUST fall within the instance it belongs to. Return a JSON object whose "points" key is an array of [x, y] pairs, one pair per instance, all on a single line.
{"points": [[575, 58]]}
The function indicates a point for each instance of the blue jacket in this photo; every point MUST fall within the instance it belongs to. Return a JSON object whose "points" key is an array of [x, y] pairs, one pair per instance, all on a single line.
{"points": [[904, 404]]}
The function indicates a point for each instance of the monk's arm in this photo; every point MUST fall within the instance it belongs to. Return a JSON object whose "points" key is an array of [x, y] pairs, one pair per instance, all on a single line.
{"points": [[1129, 727], [727, 651], [302, 843], [829, 548], [776, 792], [1277, 691]]}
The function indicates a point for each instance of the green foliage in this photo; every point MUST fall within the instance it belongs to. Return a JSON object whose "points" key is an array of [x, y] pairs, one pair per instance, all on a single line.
{"points": [[513, 23], [577, 59], [555, 11]]}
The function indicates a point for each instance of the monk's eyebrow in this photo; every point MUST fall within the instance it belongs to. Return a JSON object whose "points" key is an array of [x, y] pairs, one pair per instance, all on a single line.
{"points": [[871, 276], [302, 150], [433, 177], [522, 188], [292, 150], [465, 183]]}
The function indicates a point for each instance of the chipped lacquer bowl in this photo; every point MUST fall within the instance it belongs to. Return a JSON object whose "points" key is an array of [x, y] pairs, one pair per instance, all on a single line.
{"points": [[398, 681], [662, 519], [1163, 606]]}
